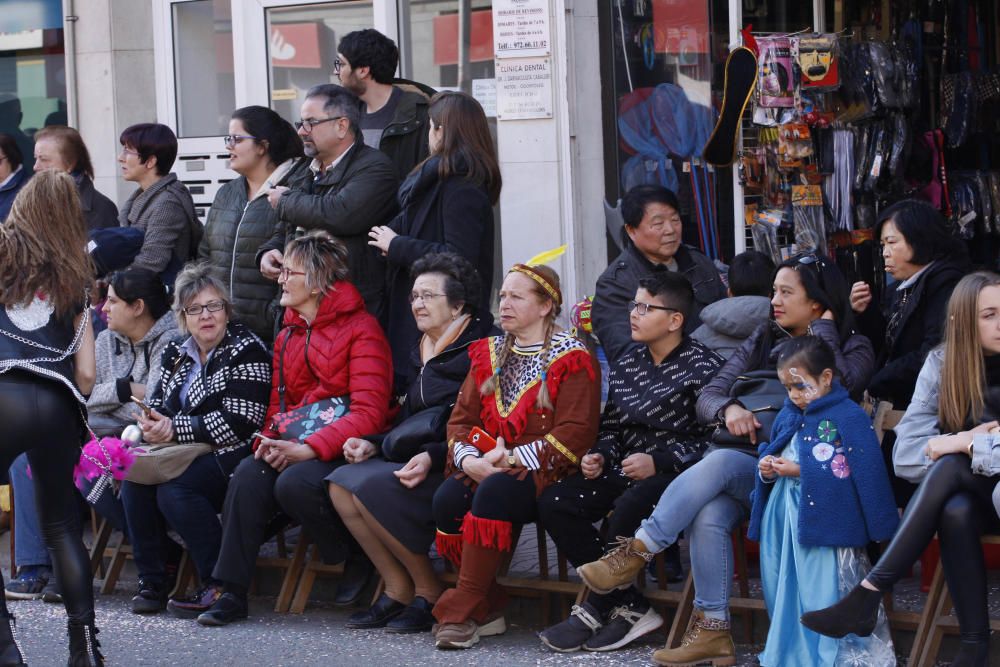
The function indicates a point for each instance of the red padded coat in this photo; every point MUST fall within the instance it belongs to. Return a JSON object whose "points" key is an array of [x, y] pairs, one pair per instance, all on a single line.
{"points": [[342, 353]]}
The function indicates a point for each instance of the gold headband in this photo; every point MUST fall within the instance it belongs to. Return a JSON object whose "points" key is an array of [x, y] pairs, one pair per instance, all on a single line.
{"points": [[538, 278]]}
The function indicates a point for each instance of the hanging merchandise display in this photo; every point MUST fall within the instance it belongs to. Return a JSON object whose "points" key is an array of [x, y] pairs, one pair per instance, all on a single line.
{"points": [[845, 124]]}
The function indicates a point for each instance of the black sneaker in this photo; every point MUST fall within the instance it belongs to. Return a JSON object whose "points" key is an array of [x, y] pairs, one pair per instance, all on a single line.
{"points": [[624, 625], [417, 617], [151, 597], [571, 634], [51, 592], [226, 609]]}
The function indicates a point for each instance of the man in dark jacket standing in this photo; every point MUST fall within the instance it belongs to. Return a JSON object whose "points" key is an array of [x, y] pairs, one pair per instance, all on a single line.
{"points": [[652, 242], [348, 188], [393, 120]]}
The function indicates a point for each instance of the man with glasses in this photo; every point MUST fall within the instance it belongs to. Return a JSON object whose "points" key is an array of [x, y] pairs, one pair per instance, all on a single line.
{"points": [[649, 434], [394, 118], [652, 242], [348, 188]]}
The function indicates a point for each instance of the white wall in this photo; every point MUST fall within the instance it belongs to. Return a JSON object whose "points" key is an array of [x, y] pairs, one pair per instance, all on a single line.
{"points": [[115, 83]]}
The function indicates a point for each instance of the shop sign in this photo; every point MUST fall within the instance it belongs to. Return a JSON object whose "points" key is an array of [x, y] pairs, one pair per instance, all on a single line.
{"points": [[521, 28], [485, 92], [295, 45], [524, 88]]}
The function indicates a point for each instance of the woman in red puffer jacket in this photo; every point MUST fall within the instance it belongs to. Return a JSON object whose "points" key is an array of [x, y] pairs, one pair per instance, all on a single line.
{"points": [[329, 348]]}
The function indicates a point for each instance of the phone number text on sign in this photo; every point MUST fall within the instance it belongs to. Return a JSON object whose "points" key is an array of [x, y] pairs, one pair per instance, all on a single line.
{"points": [[521, 28]]}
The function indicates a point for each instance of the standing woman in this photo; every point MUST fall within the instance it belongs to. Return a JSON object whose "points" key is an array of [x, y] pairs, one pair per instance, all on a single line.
{"points": [[162, 206], [446, 206], [46, 365], [61, 148], [262, 150], [944, 443], [533, 390], [920, 253], [13, 175]]}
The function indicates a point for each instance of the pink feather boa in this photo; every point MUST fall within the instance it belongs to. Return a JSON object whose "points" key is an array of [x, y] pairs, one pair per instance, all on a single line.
{"points": [[114, 458]]}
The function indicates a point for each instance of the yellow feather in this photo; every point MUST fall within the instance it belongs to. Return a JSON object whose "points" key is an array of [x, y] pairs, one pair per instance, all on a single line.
{"points": [[547, 256]]}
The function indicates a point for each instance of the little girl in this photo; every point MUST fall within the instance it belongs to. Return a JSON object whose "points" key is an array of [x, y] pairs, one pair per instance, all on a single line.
{"points": [[822, 495]]}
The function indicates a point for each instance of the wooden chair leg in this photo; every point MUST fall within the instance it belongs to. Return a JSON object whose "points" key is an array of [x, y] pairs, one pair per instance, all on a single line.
{"points": [[739, 551], [927, 618], [102, 535], [185, 573], [115, 568], [933, 643], [682, 617], [292, 575], [304, 588]]}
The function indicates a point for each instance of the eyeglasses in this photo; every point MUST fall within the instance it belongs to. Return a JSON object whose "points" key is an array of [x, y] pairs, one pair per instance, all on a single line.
{"points": [[309, 123], [424, 296], [285, 273], [643, 308], [233, 139], [128, 151], [337, 64], [211, 306]]}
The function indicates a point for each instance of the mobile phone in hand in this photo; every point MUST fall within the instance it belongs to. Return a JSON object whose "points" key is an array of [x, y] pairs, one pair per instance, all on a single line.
{"points": [[145, 408]]}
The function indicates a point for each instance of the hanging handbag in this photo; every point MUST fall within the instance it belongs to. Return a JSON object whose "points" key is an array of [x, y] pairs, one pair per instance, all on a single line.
{"points": [[407, 437], [298, 424], [760, 392], [160, 463]]}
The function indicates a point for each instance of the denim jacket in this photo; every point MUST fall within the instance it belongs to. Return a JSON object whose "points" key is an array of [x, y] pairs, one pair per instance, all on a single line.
{"points": [[920, 422]]}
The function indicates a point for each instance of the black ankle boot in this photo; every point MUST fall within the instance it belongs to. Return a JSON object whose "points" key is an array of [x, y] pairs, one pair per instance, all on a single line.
{"points": [[972, 654], [84, 649], [10, 652], [856, 613]]}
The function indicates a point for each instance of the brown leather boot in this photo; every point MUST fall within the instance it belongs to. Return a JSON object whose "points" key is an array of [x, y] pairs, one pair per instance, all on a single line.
{"points": [[708, 640], [618, 568]]}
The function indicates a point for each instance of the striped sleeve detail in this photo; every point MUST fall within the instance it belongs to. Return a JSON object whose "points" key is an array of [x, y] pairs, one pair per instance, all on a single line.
{"points": [[462, 451], [529, 454]]}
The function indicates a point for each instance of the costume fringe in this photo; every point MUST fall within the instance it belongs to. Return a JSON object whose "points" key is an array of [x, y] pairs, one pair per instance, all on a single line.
{"points": [[488, 533], [449, 546]]}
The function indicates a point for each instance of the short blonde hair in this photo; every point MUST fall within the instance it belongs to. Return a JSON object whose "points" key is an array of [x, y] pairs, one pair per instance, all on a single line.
{"points": [[193, 279], [323, 259]]}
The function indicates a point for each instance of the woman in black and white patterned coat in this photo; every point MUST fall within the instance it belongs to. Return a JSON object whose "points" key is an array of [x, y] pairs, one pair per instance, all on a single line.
{"points": [[214, 388]]}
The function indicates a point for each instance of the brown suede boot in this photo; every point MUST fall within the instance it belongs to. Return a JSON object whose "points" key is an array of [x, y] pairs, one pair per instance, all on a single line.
{"points": [[618, 568], [708, 640]]}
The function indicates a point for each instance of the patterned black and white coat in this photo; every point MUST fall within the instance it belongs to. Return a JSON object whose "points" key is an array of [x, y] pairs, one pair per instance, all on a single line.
{"points": [[651, 407], [226, 402]]}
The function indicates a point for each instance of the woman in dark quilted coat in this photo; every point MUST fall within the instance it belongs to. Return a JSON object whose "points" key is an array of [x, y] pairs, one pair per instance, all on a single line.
{"points": [[262, 149], [330, 348]]}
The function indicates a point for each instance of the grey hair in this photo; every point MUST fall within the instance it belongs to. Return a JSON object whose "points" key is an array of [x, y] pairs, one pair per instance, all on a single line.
{"points": [[339, 101], [193, 279], [323, 259]]}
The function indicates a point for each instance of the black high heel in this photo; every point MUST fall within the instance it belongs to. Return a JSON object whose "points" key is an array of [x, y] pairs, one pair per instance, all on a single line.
{"points": [[856, 613]]}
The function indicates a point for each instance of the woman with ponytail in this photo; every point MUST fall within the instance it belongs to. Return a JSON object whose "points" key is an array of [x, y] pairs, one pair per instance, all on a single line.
{"points": [[263, 148], [533, 390]]}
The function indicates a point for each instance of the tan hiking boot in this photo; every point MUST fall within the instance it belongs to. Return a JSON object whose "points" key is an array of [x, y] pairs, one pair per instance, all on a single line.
{"points": [[708, 641], [618, 568]]}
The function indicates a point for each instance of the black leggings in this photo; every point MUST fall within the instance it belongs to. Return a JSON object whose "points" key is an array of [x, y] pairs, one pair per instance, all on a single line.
{"points": [[958, 505], [42, 417]]}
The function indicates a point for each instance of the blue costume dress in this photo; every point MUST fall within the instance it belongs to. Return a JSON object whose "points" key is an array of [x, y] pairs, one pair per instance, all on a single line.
{"points": [[798, 578]]}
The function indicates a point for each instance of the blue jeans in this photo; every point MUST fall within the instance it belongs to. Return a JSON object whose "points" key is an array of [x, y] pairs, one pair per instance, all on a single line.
{"points": [[29, 547], [189, 504], [707, 500]]}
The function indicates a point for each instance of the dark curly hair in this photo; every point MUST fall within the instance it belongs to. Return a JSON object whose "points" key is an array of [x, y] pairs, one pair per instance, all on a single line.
{"points": [[461, 280], [370, 48]]}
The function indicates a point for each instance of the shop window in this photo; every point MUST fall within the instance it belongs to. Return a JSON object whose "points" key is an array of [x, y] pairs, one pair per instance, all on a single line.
{"points": [[663, 60], [203, 67], [302, 47]]}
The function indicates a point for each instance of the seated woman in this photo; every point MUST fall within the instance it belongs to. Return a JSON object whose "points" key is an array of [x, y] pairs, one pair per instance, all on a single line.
{"points": [[534, 390], [330, 348], [140, 325], [920, 253], [162, 206], [213, 388], [13, 175], [708, 499], [386, 504], [949, 421]]}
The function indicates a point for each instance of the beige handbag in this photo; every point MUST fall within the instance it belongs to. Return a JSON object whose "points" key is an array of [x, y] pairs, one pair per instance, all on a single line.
{"points": [[156, 464]]}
